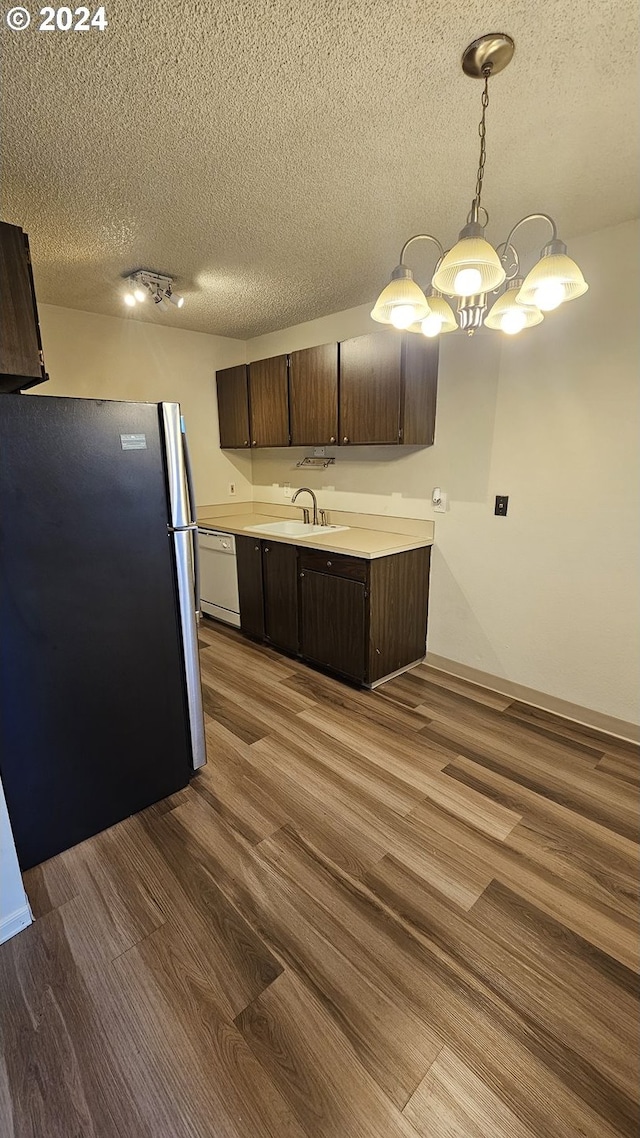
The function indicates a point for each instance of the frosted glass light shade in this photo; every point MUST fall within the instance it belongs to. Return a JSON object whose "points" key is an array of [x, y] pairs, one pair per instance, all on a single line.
{"points": [[510, 316], [441, 315], [455, 275], [402, 293], [548, 277]]}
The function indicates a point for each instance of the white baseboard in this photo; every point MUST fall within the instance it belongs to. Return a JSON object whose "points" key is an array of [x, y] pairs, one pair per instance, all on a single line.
{"points": [[15, 923], [585, 716]]}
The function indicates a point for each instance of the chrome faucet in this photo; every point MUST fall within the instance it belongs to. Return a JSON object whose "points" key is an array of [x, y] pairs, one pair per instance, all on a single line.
{"points": [[305, 511]]}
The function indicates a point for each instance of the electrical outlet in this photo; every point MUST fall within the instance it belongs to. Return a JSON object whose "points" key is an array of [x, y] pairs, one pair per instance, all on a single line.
{"points": [[232, 489], [319, 452], [286, 486], [502, 501]]}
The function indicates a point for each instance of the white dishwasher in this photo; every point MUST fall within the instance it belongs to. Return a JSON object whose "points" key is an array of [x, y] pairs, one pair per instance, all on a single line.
{"points": [[219, 575]]}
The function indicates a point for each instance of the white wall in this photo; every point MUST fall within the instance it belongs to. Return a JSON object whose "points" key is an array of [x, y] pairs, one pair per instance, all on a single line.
{"points": [[104, 357], [547, 597], [15, 913]]}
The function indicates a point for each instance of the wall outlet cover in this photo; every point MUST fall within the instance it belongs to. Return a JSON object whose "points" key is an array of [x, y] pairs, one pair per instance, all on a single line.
{"points": [[502, 504], [319, 452], [286, 486]]}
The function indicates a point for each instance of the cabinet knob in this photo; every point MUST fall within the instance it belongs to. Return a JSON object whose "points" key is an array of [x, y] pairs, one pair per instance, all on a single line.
{"points": [[329, 564], [254, 443], [345, 439], [266, 548], [257, 548], [332, 439], [246, 443], [302, 574]]}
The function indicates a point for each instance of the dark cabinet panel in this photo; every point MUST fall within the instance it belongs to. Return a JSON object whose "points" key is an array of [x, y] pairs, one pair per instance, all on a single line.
{"points": [[420, 384], [313, 394], [21, 360], [280, 583], [269, 402], [233, 406], [338, 564], [333, 622], [249, 564], [399, 588], [370, 388]]}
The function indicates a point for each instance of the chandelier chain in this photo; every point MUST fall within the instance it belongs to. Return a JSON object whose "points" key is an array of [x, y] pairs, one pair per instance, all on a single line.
{"points": [[482, 131]]}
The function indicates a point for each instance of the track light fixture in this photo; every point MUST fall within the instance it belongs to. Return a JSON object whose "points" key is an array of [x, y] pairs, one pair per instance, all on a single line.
{"points": [[473, 268], [144, 284]]}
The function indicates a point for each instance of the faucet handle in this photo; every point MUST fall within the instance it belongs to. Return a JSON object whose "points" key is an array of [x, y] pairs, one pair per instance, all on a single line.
{"points": [[305, 515], [323, 518]]}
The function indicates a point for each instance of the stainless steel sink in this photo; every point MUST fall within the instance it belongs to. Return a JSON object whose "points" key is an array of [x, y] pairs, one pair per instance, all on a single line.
{"points": [[294, 529]]}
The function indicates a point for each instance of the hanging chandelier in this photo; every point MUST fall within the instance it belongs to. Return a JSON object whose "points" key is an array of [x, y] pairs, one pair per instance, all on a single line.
{"points": [[473, 268]]}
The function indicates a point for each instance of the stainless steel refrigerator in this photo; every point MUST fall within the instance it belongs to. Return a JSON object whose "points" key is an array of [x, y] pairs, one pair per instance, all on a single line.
{"points": [[100, 699]]}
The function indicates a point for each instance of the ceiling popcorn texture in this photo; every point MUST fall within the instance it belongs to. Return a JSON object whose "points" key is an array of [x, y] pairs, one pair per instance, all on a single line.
{"points": [[274, 155]]}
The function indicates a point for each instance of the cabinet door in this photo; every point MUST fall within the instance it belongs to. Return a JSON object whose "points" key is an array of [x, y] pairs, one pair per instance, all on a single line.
{"points": [[21, 361], [249, 564], [420, 383], [370, 388], [313, 394], [269, 402], [333, 622], [233, 406], [280, 577]]}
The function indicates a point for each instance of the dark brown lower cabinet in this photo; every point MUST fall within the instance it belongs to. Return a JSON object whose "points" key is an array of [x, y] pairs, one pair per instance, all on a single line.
{"points": [[362, 619], [249, 564], [280, 590], [333, 622]]}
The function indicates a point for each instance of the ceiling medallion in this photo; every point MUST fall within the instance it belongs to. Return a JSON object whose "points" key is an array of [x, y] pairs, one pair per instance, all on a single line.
{"points": [[473, 268]]}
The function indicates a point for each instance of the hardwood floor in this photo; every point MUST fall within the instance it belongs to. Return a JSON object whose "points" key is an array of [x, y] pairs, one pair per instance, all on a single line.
{"points": [[409, 912]]}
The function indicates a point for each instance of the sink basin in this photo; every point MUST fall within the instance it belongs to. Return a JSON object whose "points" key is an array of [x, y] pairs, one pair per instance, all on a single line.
{"points": [[294, 529]]}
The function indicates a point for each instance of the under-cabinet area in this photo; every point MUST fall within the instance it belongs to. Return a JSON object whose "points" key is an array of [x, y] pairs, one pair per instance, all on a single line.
{"points": [[378, 389], [363, 619]]}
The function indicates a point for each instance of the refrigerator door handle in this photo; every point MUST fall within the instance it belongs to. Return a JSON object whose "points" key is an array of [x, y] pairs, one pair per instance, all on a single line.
{"points": [[192, 516], [182, 539]]}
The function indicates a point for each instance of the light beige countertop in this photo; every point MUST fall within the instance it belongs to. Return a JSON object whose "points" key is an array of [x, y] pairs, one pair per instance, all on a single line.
{"points": [[356, 541]]}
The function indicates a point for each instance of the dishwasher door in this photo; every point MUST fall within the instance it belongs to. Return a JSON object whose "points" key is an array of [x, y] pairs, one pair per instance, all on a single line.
{"points": [[219, 576]]}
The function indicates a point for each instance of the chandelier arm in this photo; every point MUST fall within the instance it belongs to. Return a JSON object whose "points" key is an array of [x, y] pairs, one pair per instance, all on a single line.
{"points": [[420, 237], [534, 217], [503, 252]]}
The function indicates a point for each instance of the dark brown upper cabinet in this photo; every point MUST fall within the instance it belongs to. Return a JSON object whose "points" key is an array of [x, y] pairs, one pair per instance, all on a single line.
{"points": [[388, 385], [233, 406], [313, 395], [269, 402], [377, 389], [21, 359], [370, 387], [419, 389]]}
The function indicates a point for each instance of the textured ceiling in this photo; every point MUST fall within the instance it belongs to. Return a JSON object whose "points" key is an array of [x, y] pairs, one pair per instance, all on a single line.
{"points": [[274, 155]]}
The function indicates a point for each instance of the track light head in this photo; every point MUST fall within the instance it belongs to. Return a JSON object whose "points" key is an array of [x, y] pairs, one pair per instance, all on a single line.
{"points": [[175, 298]]}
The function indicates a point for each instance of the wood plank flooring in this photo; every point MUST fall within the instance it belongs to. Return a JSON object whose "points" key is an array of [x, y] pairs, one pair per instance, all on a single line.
{"points": [[409, 913]]}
